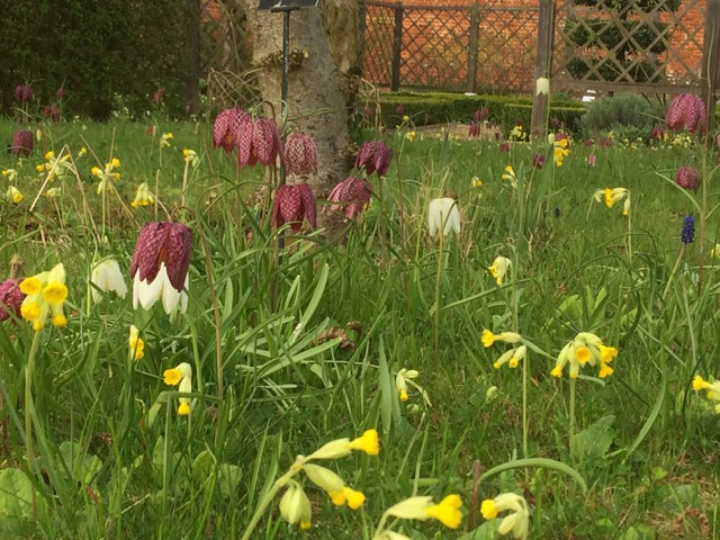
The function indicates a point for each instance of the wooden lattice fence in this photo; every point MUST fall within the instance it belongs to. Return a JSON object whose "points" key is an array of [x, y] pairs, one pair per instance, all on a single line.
{"points": [[458, 48]]}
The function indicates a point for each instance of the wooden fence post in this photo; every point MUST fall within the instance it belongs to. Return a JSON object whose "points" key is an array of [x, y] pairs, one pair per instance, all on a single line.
{"points": [[397, 47], [710, 75], [543, 65], [473, 47]]}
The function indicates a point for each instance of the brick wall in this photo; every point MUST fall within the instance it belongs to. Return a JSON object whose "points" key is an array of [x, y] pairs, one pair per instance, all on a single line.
{"points": [[435, 44]]}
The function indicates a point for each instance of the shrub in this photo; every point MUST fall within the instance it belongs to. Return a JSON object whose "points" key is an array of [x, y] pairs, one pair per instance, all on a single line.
{"points": [[436, 108], [622, 109]]}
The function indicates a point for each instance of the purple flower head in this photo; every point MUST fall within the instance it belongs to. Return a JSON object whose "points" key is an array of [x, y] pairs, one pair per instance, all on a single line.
{"points": [[158, 96], [474, 130], [688, 230], [300, 154], [504, 147], [52, 113], [266, 145], [24, 93], [658, 133], [481, 114], [11, 298], [374, 156], [350, 196], [591, 159], [22, 142], [292, 205], [688, 111], [399, 110], [160, 264], [367, 112], [687, 177], [61, 94], [226, 127], [538, 160], [554, 122]]}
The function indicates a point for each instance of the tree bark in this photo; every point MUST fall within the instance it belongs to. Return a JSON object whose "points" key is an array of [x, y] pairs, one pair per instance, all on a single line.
{"points": [[316, 102]]}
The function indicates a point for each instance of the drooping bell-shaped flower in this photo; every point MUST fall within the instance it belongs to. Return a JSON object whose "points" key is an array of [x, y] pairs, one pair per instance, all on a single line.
{"points": [[160, 264], [686, 111], [24, 93], [266, 145], [105, 277], [374, 156], [687, 177], [52, 113], [23, 142], [474, 130], [11, 298], [350, 196], [292, 205], [443, 216], [300, 154], [226, 126]]}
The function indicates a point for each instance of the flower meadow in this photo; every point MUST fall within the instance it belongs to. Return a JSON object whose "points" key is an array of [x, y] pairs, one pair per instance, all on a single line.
{"points": [[467, 338]]}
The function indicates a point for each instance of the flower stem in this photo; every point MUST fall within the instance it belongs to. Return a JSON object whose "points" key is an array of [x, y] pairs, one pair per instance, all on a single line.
{"points": [[571, 434], [673, 273], [441, 255], [29, 374], [262, 506]]}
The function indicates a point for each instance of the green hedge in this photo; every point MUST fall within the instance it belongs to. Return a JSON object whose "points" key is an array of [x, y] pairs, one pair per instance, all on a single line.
{"points": [[436, 108]]}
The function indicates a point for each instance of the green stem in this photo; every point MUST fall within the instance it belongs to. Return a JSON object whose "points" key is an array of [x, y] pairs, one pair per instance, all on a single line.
{"points": [[381, 525], [525, 419], [269, 496], [437, 290], [674, 272], [29, 374], [572, 418]]}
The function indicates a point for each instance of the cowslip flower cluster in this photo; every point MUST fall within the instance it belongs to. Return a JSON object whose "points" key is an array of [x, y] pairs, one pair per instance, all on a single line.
{"points": [[509, 175], [401, 382], [107, 176], [14, 195], [499, 269], [166, 140], [422, 508], [612, 195], [295, 505], [45, 294], [586, 348], [513, 356], [180, 376], [143, 196], [56, 168], [713, 389], [561, 148], [517, 522], [159, 267], [191, 157], [136, 345], [443, 216]]}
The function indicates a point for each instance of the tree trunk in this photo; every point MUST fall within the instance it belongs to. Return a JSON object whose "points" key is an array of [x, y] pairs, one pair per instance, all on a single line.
{"points": [[316, 101]]}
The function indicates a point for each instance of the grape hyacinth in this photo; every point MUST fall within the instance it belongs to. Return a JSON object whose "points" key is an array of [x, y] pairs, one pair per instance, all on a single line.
{"points": [[688, 230]]}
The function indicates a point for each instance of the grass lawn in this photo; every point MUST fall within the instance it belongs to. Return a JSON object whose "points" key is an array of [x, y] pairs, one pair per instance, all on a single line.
{"points": [[289, 356]]}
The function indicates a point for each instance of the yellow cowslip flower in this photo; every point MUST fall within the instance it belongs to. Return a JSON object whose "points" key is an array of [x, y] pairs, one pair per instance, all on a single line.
{"points": [[499, 268], [586, 348], [143, 196], [191, 157], [511, 357], [13, 194], [613, 195], [510, 176], [45, 295], [476, 182], [49, 155], [339, 493], [401, 382], [10, 174], [182, 376], [713, 389], [560, 152], [107, 175], [165, 140], [82, 151], [715, 252], [53, 193], [488, 338], [446, 511], [517, 522], [410, 136], [368, 443], [295, 506], [136, 345]]}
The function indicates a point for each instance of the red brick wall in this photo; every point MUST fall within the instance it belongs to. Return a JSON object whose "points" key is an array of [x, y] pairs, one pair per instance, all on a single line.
{"points": [[434, 52]]}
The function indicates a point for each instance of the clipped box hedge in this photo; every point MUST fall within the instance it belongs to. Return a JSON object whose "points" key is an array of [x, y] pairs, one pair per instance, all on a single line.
{"points": [[426, 108]]}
